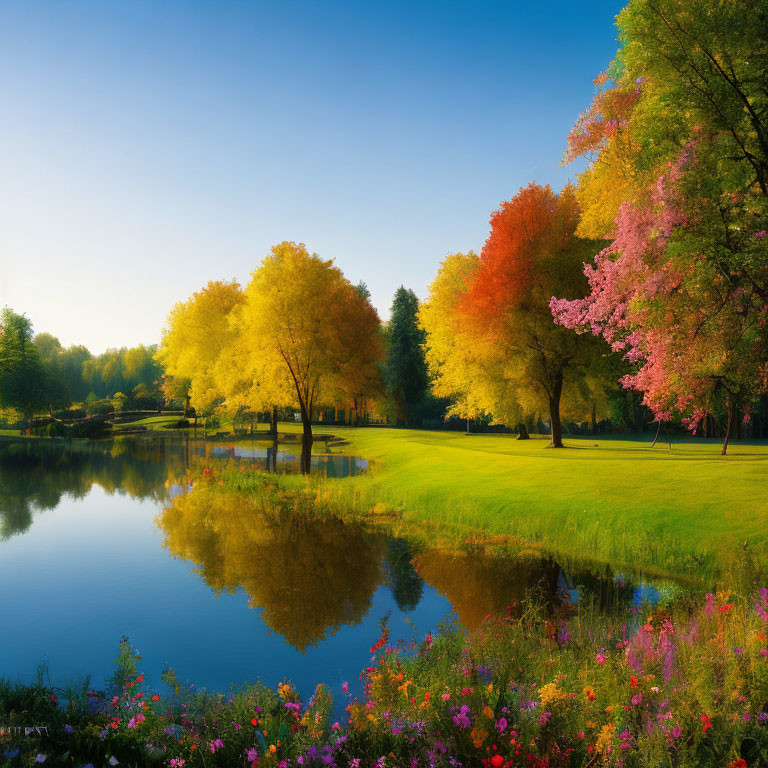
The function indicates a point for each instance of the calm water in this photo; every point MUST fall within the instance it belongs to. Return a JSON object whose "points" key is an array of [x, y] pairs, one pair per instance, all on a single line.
{"points": [[100, 540]]}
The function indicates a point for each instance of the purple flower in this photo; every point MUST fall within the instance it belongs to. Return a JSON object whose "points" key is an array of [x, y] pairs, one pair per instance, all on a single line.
{"points": [[69, 729], [251, 754], [676, 732], [637, 699], [544, 717], [501, 724], [461, 718]]}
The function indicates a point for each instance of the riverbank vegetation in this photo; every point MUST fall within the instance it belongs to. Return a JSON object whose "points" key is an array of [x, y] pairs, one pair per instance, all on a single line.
{"points": [[685, 686]]}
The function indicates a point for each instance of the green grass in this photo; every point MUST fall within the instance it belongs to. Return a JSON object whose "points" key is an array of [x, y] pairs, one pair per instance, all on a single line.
{"points": [[684, 509]]}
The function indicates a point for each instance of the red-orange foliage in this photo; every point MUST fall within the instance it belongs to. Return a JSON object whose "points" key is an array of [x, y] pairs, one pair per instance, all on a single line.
{"points": [[525, 232]]}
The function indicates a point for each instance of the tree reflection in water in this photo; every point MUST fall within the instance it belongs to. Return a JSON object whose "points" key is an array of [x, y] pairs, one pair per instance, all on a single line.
{"points": [[309, 575]]}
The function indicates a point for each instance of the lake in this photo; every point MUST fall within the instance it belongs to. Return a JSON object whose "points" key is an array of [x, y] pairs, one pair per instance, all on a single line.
{"points": [[108, 538]]}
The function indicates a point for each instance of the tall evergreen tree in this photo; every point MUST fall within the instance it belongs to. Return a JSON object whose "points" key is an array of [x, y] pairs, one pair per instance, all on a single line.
{"points": [[406, 368]]}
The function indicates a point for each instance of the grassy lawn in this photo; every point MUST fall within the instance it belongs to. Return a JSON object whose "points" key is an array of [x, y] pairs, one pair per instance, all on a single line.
{"points": [[678, 509]]}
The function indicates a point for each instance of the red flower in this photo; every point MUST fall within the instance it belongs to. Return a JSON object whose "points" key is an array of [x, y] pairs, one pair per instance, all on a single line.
{"points": [[740, 763], [707, 723], [724, 608], [633, 681], [496, 761]]}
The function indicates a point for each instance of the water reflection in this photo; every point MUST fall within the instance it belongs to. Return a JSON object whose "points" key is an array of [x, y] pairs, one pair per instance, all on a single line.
{"points": [[306, 576], [35, 474]]}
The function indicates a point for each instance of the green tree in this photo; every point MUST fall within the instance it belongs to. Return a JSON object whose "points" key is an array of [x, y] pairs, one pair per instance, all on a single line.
{"points": [[405, 368], [22, 374]]}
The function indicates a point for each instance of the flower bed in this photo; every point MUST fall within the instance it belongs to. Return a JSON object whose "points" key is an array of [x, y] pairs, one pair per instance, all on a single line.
{"points": [[681, 687]]}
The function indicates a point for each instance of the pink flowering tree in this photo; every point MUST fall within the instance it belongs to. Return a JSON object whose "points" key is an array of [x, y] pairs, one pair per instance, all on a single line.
{"points": [[691, 329]]}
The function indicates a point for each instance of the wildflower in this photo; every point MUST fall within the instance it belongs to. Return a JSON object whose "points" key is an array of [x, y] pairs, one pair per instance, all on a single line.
{"points": [[497, 761], [238, 726], [589, 692], [177, 762], [501, 725], [345, 687], [113, 760], [251, 754], [40, 758], [69, 729], [676, 732], [633, 681], [255, 722], [637, 699], [445, 696], [272, 748], [216, 744], [544, 718], [12, 753], [707, 723], [726, 608], [156, 697], [600, 659], [462, 717], [740, 763]]}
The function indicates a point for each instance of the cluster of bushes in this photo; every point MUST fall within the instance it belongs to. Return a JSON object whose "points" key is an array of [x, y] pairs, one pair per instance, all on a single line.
{"points": [[682, 686]]}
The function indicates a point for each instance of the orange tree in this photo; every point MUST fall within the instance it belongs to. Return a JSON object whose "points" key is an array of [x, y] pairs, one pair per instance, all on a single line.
{"points": [[531, 254]]}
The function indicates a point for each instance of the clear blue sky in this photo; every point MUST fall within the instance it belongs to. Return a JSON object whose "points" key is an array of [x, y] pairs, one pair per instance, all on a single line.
{"points": [[146, 148]]}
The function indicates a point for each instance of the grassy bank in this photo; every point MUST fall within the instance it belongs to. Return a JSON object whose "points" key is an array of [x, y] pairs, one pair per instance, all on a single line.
{"points": [[682, 509]]}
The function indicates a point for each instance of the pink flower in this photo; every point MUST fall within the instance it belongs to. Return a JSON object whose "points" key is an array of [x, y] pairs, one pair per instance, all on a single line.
{"points": [[445, 696], [345, 687], [251, 754], [600, 659], [216, 744]]}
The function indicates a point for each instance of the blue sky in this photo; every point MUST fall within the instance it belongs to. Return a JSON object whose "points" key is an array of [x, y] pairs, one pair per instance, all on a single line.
{"points": [[146, 148]]}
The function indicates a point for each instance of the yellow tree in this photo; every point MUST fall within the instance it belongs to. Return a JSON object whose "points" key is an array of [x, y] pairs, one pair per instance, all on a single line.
{"points": [[197, 332], [309, 329], [463, 366]]}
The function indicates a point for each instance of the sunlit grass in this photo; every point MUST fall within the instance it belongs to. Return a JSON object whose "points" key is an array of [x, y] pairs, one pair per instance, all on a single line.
{"points": [[676, 509]]}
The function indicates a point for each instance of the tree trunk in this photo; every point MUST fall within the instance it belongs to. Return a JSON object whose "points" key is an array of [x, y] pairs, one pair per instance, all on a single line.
{"points": [[273, 421], [658, 429], [594, 419], [727, 429], [554, 413], [467, 426], [306, 440], [522, 432]]}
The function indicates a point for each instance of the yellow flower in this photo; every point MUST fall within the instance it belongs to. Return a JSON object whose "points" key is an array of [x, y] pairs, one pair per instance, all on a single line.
{"points": [[550, 692], [478, 737], [605, 737]]}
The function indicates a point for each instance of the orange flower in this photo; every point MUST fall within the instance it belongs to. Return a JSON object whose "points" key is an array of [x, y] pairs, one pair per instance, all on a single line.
{"points": [[589, 692], [633, 681], [740, 763]]}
